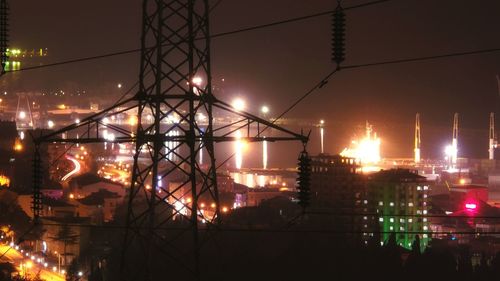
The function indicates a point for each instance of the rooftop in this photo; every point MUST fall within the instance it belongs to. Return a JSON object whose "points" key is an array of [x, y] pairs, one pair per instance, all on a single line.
{"points": [[397, 175], [97, 198]]}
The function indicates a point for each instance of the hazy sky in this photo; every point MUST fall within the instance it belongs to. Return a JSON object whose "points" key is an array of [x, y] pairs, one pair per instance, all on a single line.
{"points": [[277, 65]]}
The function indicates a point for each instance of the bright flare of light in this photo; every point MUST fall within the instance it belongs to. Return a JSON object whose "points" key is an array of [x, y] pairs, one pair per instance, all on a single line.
{"points": [[22, 115], [180, 208], [77, 121], [470, 206], [197, 80], [132, 120], [366, 150], [264, 109], [18, 146], [238, 104], [264, 154], [51, 124], [238, 147]]}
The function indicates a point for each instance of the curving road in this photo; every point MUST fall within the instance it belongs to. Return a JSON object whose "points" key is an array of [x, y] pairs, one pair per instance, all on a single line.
{"points": [[77, 168], [14, 256]]}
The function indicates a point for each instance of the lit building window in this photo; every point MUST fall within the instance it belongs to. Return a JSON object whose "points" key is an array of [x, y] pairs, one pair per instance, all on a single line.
{"points": [[410, 220], [419, 212], [410, 204], [391, 228], [381, 219], [426, 187], [381, 203], [425, 195], [425, 219], [401, 228], [425, 212], [391, 219], [401, 220], [419, 188], [365, 218], [425, 236], [425, 227], [365, 202], [391, 204]]}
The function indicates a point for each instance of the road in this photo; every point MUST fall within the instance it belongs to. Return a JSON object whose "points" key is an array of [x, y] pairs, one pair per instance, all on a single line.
{"points": [[76, 170], [17, 258]]}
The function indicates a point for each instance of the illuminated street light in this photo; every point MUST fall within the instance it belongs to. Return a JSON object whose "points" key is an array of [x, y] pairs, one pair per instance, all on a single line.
{"points": [[238, 104], [22, 115], [264, 109], [119, 85], [322, 134], [50, 124], [77, 121], [197, 81]]}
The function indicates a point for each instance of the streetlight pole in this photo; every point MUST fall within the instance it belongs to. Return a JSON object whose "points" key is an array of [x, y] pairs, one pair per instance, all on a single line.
{"points": [[58, 262]]}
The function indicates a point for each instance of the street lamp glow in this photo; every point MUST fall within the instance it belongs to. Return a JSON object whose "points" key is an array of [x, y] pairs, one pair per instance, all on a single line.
{"points": [[119, 85], [22, 115], [264, 109], [50, 124], [197, 81], [77, 121], [238, 104]]}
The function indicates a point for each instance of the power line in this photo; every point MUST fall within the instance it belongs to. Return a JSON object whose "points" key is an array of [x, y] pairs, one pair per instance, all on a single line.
{"points": [[216, 35], [281, 230], [423, 58]]}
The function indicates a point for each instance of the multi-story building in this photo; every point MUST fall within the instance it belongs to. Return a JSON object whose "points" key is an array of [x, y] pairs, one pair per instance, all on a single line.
{"points": [[397, 202], [336, 183], [337, 189]]}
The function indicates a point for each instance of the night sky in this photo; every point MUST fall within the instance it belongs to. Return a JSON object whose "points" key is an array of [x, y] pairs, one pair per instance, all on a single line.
{"points": [[275, 66]]}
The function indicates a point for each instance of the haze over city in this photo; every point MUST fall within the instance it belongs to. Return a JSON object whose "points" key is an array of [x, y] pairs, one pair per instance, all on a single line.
{"points": [[136, 132]]}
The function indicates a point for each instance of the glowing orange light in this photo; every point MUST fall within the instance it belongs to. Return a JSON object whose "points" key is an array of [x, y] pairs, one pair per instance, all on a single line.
{"points": [[133, 120], [71, 196], [462, 181], [213, 205], [18, 146], [225, 209], [365, 150], [4, 181]]}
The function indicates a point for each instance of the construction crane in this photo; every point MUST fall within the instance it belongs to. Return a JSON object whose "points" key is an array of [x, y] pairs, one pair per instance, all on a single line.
{"points": [[492, 142], [454, 142], [417, 138]]}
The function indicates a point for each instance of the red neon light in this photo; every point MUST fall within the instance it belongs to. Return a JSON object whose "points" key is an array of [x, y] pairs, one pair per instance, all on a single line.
{"points": [[470, 206]]}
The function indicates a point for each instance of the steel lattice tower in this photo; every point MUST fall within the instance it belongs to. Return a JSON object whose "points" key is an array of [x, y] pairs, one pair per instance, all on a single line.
{"points": [[165, 226], [4, 33], [178, 63]]}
